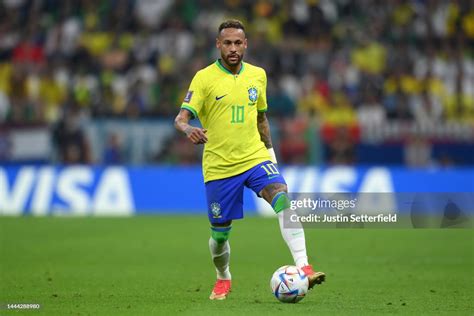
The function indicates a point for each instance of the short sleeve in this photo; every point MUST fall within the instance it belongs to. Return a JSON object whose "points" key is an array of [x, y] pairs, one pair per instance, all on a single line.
{"points": [[262, 96], [194, 99]]}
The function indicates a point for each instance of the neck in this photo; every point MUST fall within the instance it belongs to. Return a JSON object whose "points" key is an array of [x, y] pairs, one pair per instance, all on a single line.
{"points": [[233, 69]]}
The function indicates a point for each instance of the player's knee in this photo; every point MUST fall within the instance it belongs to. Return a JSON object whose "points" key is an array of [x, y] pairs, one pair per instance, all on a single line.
{"points": [[220, 234], [280, 202]]}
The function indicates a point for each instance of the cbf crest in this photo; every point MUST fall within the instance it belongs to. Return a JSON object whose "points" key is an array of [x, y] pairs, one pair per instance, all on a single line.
{"points": [[216, 210], [253, 95]]}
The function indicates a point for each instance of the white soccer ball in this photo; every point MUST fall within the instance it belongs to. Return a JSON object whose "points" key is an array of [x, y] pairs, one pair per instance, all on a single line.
{"points": [[289, 284]]}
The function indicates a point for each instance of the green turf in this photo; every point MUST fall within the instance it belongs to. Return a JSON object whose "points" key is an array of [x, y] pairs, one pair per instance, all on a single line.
{"points": [[161, 265]]}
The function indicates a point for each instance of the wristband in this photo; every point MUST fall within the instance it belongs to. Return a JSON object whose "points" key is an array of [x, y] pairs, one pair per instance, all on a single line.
{"points": [[272, 155]]}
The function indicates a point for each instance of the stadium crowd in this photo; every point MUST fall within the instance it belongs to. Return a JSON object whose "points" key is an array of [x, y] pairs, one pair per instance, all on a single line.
{"points": [[342, 62]]}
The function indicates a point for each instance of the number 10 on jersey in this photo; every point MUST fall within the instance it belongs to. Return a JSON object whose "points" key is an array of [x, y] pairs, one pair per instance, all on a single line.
{"points": [[237, 114], [270, 169]]}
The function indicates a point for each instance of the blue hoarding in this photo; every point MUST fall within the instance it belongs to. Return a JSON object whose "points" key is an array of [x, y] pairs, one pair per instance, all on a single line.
{"points": [[106, 191]]}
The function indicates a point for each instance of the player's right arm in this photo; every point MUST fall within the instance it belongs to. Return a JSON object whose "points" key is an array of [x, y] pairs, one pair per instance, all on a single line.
{"points": [[195, 134], [190, 109]]}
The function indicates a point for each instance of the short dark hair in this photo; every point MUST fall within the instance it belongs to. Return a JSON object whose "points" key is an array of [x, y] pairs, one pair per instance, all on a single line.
{"points": [[231, 24]]}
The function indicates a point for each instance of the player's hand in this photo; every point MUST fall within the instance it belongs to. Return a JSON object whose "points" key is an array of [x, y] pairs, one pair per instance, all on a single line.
{"points": [[196, 135]]}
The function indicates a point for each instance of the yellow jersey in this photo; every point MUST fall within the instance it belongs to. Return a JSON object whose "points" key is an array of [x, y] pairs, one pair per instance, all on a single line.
{"points": [[227, 106]]}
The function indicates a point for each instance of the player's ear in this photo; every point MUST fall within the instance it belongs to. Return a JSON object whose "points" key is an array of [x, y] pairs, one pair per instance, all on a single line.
{"points": [[245, 43], [218, 43]]}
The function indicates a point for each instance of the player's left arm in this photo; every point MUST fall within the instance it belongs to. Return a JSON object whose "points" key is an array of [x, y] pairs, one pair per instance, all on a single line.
{"points": [[262, 121], [264, 130]]}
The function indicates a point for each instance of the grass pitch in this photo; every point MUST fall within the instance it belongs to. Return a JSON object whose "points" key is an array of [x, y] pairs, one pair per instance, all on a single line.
{"points": [[161, 265]]}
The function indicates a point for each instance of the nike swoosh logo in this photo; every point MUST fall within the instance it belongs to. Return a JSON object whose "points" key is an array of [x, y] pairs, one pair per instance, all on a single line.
{"points": [[218, 98], [271, 177]]}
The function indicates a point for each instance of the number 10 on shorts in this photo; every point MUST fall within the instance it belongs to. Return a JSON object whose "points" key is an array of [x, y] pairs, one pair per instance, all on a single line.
{"points": [[270, 169]]}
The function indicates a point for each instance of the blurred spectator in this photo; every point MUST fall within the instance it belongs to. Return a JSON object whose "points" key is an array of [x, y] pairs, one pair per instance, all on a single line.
{"points": [[29, 51], [417, 152], [113, 153], [341, 147], [70, 141], [281, 104], [4, 106], [294, 148], [426, 109], [151, 13], [340, 111], [179, 150], [371, 112], [369, 57]]}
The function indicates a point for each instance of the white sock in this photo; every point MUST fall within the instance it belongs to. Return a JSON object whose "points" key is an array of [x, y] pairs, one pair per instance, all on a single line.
{"points": [[294, 238], [220, 256]]}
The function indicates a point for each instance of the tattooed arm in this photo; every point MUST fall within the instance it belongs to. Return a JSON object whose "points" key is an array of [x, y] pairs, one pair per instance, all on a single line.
{"points": [[264, 130]]}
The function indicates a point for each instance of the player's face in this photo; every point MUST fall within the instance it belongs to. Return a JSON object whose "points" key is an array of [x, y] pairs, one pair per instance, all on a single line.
{"points": [[232, 44]]}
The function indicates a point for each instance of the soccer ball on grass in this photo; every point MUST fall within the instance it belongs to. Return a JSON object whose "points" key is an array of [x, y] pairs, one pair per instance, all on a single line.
{"points": [[289, 284]]}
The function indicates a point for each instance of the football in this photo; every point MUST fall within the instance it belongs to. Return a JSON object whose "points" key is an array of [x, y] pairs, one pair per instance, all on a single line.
{"points": [[289, 284]]}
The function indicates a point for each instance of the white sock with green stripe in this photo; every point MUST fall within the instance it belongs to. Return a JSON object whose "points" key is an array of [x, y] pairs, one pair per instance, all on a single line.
{"points": [[220, 251], [220, 256], [294, 238]]}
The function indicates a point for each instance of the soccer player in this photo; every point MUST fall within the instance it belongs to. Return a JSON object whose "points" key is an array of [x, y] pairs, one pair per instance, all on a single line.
{"points": [[229, 98]]}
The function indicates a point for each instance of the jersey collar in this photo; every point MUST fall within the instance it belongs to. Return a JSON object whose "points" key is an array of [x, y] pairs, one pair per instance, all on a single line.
{"points": [[227, 71]]}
